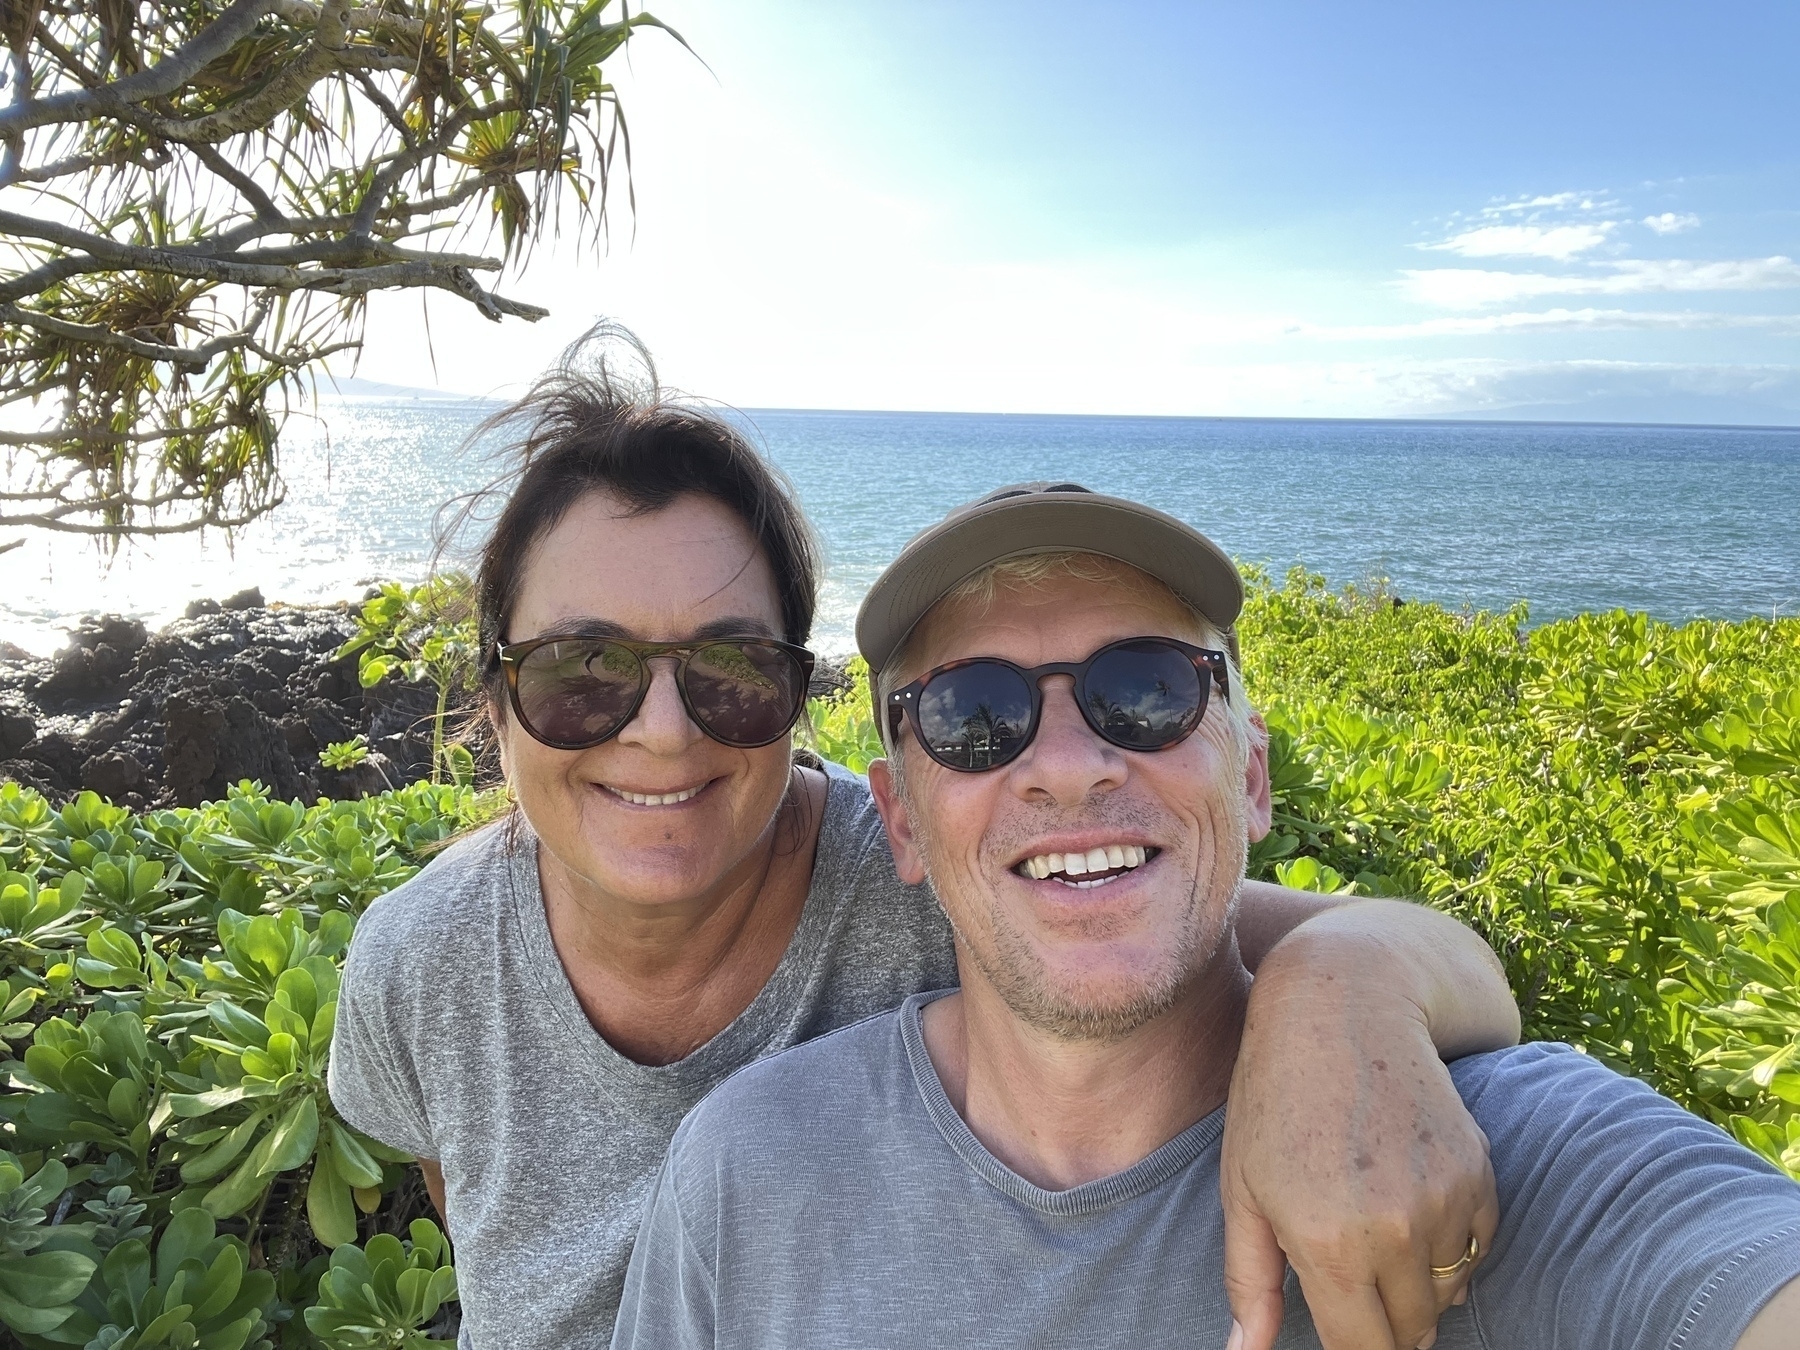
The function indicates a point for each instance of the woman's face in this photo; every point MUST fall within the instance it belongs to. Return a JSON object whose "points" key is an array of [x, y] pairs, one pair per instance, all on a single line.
{"points": [[657, 577]]}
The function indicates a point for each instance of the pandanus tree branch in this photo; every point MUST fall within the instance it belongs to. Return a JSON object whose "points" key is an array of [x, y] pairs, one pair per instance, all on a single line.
{"points": [[198, 196]]}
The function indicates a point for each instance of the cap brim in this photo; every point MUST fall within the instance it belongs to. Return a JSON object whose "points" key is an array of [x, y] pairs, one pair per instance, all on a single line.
{"points": [[1179, 556]]}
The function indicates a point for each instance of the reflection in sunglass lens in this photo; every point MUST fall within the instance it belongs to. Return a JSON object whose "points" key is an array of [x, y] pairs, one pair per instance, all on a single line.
{"points": [[1144, 695], [975, 716], [744, 693], [578, 692]]}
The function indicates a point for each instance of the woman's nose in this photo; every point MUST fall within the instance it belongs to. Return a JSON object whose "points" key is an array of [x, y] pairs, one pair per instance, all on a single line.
{"points": [[661, 724]]}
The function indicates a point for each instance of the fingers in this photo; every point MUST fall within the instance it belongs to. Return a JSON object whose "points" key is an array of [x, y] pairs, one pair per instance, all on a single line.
{"points": [[1348, 1316], [1255, 1269], [1373, 1289], [1413, 1300], [1486, 1221], [1413, 1297]]}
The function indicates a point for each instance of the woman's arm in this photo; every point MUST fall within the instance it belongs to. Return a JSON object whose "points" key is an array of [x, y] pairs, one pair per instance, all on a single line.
{"points": [[1267, 913], [1348, 1153], [433, 1172]]}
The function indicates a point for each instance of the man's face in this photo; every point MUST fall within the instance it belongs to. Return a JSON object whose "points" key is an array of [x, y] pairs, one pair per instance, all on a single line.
{"points": [[1078, 956]]}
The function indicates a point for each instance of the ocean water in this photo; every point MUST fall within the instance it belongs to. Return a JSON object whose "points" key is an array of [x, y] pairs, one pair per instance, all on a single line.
{"points": [[1679, 521]]}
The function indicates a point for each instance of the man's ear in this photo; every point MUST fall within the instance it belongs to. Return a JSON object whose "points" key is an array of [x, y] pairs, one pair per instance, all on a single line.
{"points": [[909, 858], [1258, 812]]}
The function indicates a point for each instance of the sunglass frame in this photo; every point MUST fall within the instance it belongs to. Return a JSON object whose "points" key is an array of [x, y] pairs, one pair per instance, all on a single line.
{"points": [[511, 656], [904, 701]]}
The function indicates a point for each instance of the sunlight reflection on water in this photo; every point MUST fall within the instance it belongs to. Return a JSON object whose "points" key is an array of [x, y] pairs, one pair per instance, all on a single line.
{"points": [[1678, 521]]}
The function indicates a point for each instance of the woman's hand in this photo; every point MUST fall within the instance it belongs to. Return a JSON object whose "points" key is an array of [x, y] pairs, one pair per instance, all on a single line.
{"points": [[1348, 1153]]}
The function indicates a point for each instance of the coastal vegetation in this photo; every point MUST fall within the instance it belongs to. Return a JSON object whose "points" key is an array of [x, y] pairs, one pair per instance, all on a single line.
{"points": [[201, 197], [1614, 802]]}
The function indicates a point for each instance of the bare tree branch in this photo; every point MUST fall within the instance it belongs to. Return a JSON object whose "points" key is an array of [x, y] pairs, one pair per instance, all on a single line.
{"points": [[165, 77], [195, 358]]}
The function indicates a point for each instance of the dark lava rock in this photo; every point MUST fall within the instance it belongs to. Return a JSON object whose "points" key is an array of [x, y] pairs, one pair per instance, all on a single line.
{"points": [[327, 722], [60, 757], [250, 599], [300, 740], [374, 775], [72, 674], [247, 673], [112, 775], [100, 651], [271, 703], [17, 730], [29, 773], [234, 690], [212, 737], [400, 724]]}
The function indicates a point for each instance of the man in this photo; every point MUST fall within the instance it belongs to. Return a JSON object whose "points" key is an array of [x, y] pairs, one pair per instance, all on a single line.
{"points": [[1033, 1161]]}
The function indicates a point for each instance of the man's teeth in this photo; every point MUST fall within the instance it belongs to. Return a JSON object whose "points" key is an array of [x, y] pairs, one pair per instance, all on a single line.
{"points": [[1109, 858], [655, 798]]}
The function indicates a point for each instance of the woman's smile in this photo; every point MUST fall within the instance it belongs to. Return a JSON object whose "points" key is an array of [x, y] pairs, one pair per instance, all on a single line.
{"points": [[657, 797]]}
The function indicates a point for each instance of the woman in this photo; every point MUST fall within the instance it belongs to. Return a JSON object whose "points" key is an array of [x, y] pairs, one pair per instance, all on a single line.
{"points": [[676, 896]]}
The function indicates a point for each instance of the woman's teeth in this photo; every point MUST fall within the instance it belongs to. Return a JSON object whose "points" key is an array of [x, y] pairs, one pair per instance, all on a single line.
{"points": [[1113, 859], [655, 798]]}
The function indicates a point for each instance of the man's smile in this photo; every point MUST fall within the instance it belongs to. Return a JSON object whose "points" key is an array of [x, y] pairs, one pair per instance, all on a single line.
{"points": [[1086, 868]]}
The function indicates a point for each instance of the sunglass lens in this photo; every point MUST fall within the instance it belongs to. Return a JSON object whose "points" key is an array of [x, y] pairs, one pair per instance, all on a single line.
{"points": [[975, 716], [1144, 695], [745, 693], [579, 692]]}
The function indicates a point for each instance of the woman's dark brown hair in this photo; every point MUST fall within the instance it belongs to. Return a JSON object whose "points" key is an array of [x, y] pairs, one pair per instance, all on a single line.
{"points": [[587, 426]]}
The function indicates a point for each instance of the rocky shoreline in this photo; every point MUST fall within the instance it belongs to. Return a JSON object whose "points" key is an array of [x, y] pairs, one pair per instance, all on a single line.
{"points": [[237, 689]]}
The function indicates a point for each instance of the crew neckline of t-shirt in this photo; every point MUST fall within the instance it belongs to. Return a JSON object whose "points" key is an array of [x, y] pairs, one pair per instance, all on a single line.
{"points": [[1088, 1198], [678, 1085]]}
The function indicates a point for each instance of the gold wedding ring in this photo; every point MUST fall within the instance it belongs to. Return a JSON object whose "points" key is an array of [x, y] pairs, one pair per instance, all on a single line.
{"points": [[1468, 1259]]}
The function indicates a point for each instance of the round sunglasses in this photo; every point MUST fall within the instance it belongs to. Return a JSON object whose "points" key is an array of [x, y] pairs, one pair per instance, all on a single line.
{"points": [[572, 693], [1145, 693]]}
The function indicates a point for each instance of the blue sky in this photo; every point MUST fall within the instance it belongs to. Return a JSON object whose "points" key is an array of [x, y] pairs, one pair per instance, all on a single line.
{"points": [[1527, 210]]}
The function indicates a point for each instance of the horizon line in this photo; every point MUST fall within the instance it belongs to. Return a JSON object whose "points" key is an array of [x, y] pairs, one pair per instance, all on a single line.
{"points": [[412, 393]]}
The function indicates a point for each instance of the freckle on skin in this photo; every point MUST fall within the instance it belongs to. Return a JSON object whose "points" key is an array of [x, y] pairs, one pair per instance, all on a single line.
{"points": [[1364, 1162], [1381, 1065], [1426, 1136]]}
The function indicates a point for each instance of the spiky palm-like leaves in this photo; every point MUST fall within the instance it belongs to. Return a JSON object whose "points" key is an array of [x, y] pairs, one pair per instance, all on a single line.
{"points": [[196, 196]]}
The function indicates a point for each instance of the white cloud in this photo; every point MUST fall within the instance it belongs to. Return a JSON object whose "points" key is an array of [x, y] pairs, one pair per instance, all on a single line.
{"points": [[1670, 222], [1610, 390], [1558, 242], [1469, 287], [1589, 203], [1552, 321], [1542, 202]]}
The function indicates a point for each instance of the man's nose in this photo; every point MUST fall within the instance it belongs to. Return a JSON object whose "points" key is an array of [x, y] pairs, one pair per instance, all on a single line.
{"points": [[661, 724], [1066, 761]]}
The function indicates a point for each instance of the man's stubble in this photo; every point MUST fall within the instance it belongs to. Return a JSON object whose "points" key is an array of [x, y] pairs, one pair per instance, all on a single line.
{"points": [[1024, 982]]}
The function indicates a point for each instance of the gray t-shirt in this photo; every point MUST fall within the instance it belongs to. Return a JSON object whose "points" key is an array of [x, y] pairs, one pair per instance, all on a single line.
{"points": [[460, 1038], [831, 1197]]}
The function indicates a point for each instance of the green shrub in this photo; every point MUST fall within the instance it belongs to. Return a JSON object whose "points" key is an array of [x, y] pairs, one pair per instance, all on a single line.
{"points": [[842, 726], [425, 634], [169, 990], [1613, 802]]}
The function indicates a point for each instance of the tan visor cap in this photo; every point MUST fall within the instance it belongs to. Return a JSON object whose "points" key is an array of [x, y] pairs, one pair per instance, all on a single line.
{"points": [[1044, 518]]}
